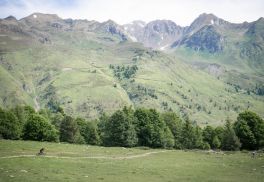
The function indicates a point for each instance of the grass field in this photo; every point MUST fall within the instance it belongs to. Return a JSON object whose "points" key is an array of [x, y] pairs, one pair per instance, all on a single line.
{"points": [[67, 162]]}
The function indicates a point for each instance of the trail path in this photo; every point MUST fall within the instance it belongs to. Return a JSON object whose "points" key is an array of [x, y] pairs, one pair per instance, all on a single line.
{"points": [[37, 106], [87, 157]]}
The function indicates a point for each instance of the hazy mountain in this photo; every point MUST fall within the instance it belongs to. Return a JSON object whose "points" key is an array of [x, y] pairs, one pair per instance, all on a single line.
{"points": [[158, 34], [207, 70]]}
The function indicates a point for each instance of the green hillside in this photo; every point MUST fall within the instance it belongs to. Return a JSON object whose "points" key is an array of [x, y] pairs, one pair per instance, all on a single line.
{"points": [[91, 72]]}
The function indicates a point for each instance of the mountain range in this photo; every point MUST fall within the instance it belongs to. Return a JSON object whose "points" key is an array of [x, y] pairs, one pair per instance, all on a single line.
{"points": [[207, 71]]}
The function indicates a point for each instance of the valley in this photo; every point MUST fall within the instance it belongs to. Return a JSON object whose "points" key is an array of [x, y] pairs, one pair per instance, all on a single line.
{"points": [[208, 71]]}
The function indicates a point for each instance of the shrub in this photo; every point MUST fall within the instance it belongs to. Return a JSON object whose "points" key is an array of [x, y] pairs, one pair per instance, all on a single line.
{"points": [[39, 129], [10, 127]]}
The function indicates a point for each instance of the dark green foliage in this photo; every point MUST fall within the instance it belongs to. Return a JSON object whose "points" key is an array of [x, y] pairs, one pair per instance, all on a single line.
{"points": [[219, 131], [206, 146], [168, 140], [259, 90], [208, 135], [89, 131], [38, 128], [198, 138], [128, 128], [152, 130], [81, 125], [216, 143], [143, 127], [46, 113], [120, 131], [160, 134], [91, 134], [10, 127], [124, 72], [69, 131], [213, 137], [188, 135], [102, 127], [230, 140], [175, 125], [56, 120], [23, 113], [245, 135], [249, 128]]}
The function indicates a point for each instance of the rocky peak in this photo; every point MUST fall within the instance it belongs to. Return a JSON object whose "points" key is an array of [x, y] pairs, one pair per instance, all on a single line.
{"points": [[10, 18], [206, 39], [42, 17], [160, 34], [163, 26], [256, 30], [113, 28], [41, 20], [203, 20]]}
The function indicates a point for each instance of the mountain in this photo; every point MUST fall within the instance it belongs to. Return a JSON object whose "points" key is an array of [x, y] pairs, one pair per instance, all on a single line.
{"points": [[89, 68], [158, 34], [207, 33], [253, 47]]}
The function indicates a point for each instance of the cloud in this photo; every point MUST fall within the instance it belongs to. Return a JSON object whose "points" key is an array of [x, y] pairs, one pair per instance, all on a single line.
{"points": [[183, 12]]}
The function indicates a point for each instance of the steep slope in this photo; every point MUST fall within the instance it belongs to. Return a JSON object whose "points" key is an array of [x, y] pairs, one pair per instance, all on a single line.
{"points": [[205, 39], [253, 48], [88, 68]]}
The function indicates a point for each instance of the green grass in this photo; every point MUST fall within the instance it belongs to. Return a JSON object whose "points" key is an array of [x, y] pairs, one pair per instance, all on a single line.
{"points": [[171, 165], [70, 62]]}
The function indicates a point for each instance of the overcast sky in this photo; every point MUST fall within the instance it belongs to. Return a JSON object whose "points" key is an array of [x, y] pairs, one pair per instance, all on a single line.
{"points": [[183, 12]]}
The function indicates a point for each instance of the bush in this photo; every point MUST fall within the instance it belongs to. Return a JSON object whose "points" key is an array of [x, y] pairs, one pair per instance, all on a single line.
{"points": [[119, 130], [230, 140], [249, 128], [91, 135], [69, 131], [39, 129], [10, 127], [206, 146]]}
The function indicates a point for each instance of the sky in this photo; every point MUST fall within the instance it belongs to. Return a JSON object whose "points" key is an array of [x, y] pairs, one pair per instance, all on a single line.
{"points": [[182, 12]]}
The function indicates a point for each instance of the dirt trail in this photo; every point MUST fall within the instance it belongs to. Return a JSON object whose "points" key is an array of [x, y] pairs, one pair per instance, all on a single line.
{"points": [[37, 106], [87, 157]]}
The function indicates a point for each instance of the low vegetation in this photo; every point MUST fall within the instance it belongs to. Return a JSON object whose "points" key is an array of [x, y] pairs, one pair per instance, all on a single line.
{"points": [[71, 162]]}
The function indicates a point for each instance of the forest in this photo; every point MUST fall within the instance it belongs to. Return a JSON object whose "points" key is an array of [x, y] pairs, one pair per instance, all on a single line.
{"points": [[132, 127]]}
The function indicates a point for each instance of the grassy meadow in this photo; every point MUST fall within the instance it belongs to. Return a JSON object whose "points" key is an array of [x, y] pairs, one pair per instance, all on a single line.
{"points": [[68, 162]]}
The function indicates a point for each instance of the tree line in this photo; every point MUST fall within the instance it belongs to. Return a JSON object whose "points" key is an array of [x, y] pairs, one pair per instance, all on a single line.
{"points": [[130, 128]]}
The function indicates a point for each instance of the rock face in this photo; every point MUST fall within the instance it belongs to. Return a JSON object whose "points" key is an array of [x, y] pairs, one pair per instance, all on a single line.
{"points": [[206, 39], [253, 48], [207, 33], [205, 20], [112, 28], [135, 30], [158, 34]]}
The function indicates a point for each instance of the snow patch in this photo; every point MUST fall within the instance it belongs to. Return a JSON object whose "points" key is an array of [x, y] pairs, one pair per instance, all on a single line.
{"points": [[134, 39], [66, 69], [141, 24], [164, 47], [35, 16], [212, 22]]}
